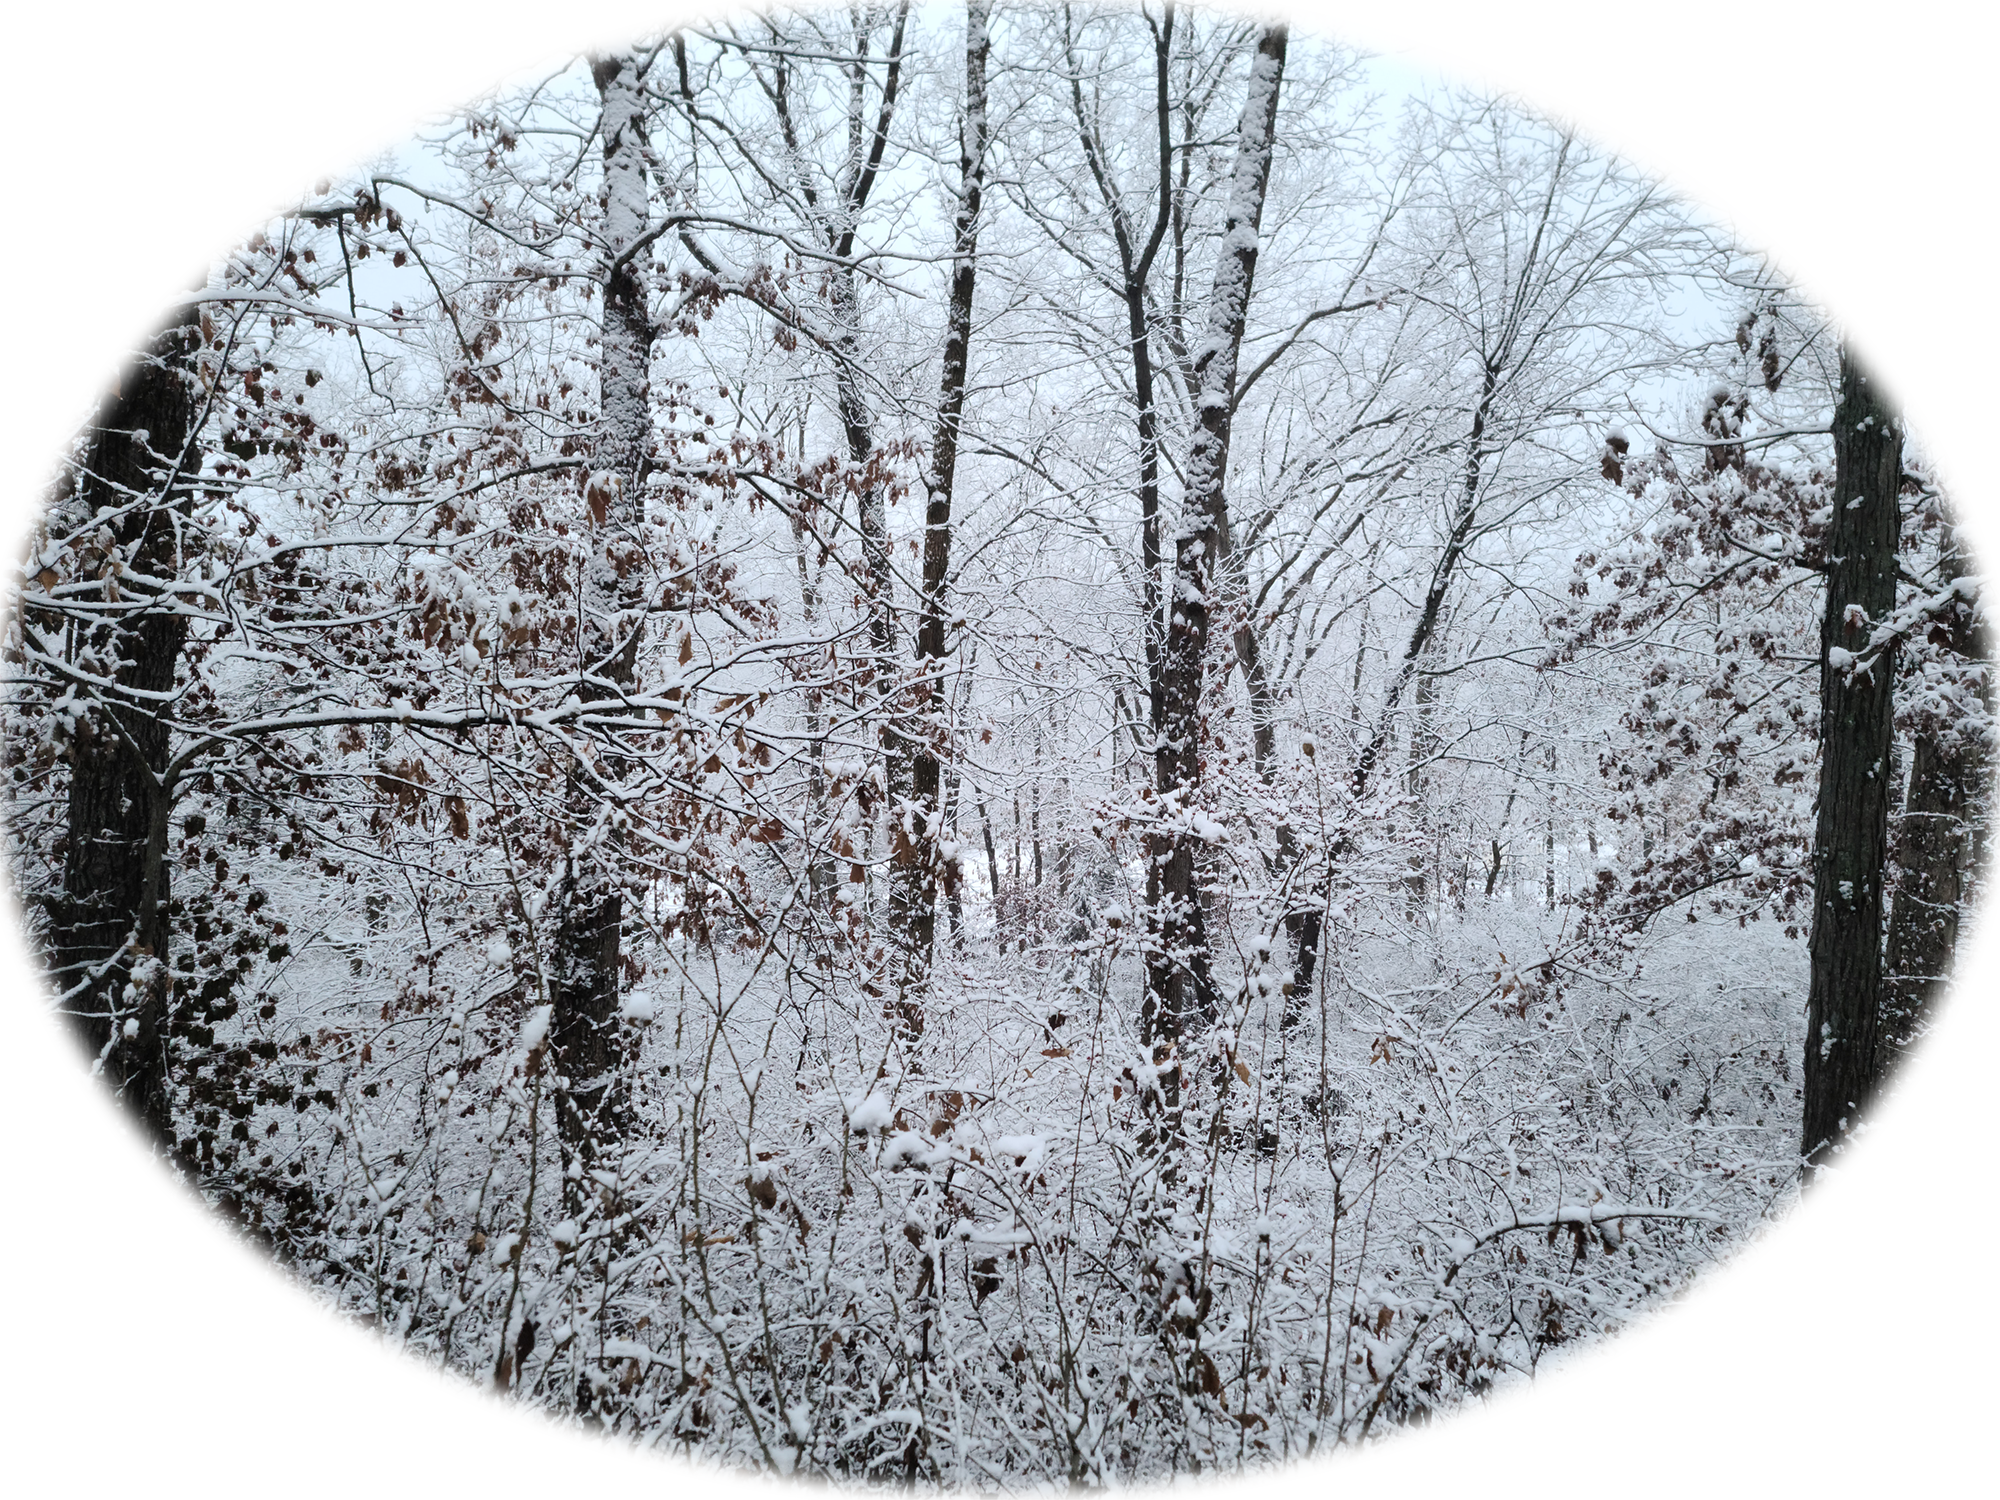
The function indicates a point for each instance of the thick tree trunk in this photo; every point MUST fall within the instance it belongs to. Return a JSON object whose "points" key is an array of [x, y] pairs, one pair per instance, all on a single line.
{"points": [[109, 925], [109, 929], [1934, 842], [584, 1032], [913, 859], [1850, 846], [1933, 839], [1180, 996]]}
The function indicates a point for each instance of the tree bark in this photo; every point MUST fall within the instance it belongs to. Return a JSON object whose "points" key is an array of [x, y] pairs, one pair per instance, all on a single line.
{"points": [[1935, 853], [913, 860], [1180, 997], [1135, 264], [1933, 845], [108, 930], [109, 925], [584, 1033], [836, 220], [1850, 846]]}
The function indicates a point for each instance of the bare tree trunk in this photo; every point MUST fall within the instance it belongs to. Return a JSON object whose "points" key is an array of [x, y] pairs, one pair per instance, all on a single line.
{"points": [[820, 879], [1850, 846], [109, 927], [1422, 746], [1135, 265], [1421, 636], [913, 859], [838, 221], [1935, 846], [1180, 996], [992, 856], [591, 1111]]}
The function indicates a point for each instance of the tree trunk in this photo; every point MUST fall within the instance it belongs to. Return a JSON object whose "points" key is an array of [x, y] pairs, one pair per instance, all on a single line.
{"points": [[1421, 634], [1423, 745], [913, 859], [1933, 845], [1947, 795], [109, 929], [109, 925], [1850, 845], [1180, 996], [591, 1110]]}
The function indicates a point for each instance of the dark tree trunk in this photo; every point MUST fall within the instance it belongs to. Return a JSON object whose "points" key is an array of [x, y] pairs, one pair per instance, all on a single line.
{"points": [[109, 929], [1933, 839], [913, 858], [1850, 846], [1935, 846], [584, 1030], [1158, 1019], [1181, 998], [838, 221], [109, 925]]}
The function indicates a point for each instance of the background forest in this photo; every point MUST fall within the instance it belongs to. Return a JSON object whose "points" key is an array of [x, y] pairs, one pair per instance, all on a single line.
{"points": [[644, 928]]}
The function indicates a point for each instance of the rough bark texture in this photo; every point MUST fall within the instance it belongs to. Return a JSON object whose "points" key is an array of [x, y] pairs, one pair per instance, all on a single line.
{"points": [[109, 939], [1180, 996], [914, 868], [1935, 850], [1850, 845], [108, 926], [1135, 263], [1933, 841], [584, 1030]]}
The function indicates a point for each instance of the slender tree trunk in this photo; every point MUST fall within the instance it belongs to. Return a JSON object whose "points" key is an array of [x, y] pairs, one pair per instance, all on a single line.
{"points": [[820, 878], [913, 858], [1843, 1051], [1422, 747], [1421, 635], [1180, 996], [992, 856]]}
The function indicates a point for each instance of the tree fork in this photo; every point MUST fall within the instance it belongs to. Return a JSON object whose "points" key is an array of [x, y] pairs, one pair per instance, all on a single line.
{"points": [[1180, 992]]}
